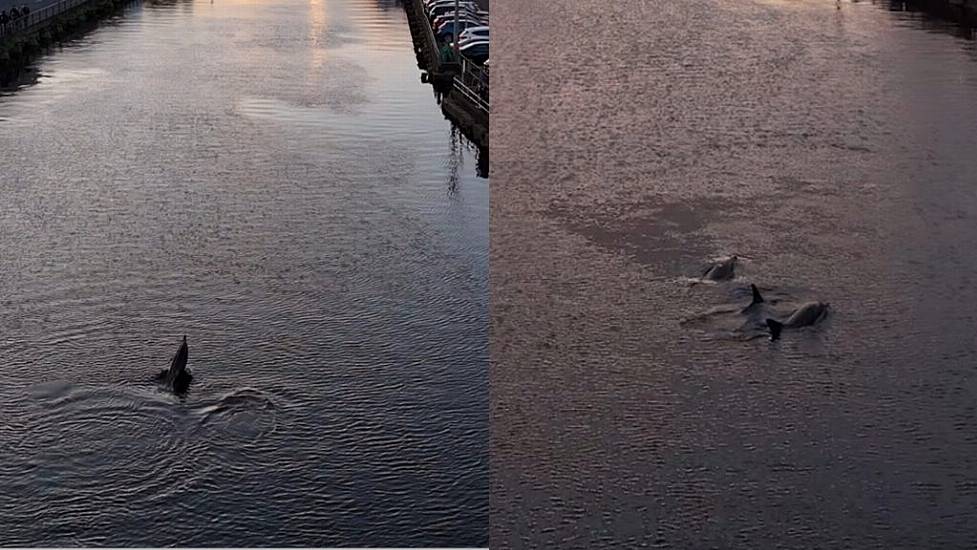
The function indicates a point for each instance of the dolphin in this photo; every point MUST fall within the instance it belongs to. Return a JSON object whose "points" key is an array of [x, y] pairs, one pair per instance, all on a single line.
{"points": [[178, 377], [722, 270], [806, 315], [757, 299]]}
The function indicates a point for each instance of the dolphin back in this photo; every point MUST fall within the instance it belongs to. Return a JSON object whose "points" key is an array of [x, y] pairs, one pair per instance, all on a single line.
{"points": [[722, 270], [807, 314], [179, 363]]}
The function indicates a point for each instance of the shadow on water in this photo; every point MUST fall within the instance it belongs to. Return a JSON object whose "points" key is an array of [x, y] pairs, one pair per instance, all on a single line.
{"points": [[483, 162], [459, 140], [20, 55], [936, 16], [12, 81], [458, 134], [456, 160]]}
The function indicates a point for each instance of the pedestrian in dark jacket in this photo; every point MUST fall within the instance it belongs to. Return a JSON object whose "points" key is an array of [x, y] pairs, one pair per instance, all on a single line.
{"points": [[14, 14]]}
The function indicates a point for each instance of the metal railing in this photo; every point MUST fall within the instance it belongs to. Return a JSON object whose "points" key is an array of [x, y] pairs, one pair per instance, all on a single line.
{"points": [[38, 17], [431, 38], [473, 83], [472, 80]]}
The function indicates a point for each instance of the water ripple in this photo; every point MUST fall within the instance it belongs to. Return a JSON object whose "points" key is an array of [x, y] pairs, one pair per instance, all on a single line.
{"points": [[275, 182]]}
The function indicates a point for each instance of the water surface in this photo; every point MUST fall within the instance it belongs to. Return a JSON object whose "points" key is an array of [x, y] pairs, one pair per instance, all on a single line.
{"points": [[272, 180], [834, 150]]}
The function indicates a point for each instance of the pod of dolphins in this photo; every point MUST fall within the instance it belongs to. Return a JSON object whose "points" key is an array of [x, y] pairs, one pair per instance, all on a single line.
{"points": [[178, 377], [807, 314]]}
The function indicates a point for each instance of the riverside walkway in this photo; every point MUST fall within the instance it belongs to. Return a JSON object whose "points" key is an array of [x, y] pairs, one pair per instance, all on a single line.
{"points": [[34, 5], [466, 84], [41, 12]]}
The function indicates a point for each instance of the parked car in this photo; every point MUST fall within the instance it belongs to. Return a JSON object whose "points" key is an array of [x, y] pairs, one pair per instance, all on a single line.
{"points": [[474, 41], [472, 32], [429, 5], [476, 51], [448, 6], [446, 32], [470, 40], [450, 18], [463, 46], [439, 11]]}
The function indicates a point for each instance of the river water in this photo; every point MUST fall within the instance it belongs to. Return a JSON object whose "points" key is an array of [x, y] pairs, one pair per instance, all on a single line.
{"points": [[272, 180], [834, 151]]}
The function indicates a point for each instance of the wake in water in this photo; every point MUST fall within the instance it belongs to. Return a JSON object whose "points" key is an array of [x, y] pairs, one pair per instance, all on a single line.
{"points": [[759, 318], [719, 270], [244, 411], [756, 319], [737, 320]]}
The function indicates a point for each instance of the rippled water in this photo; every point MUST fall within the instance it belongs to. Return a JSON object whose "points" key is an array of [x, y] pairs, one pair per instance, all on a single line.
{"points": [[834, 152], [272, 180]]}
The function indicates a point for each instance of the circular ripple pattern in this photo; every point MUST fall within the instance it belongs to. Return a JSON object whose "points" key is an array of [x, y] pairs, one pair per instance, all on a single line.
{"points": [[273, 181]]}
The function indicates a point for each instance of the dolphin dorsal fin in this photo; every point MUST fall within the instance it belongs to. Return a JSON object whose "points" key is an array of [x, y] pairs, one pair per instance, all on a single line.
{"points": [[757, 298]]}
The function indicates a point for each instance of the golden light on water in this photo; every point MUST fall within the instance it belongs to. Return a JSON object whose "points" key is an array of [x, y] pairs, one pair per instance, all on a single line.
{"points": [[318, 23]]}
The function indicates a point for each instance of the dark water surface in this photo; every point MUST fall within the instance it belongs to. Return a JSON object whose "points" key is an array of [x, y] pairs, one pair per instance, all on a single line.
{"points": [[271, 179], [836, 152]]}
